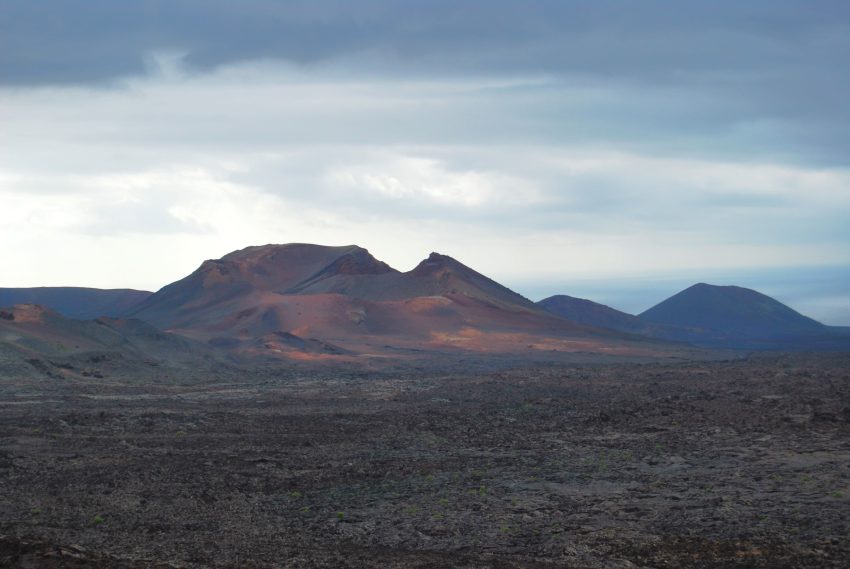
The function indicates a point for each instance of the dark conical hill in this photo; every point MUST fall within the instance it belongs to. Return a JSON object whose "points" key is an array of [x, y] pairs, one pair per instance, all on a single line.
{"points": [[731, 310]]}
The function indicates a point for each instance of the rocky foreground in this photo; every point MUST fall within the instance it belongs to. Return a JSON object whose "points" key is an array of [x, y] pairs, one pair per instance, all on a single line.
{"points": [[725, 464]]}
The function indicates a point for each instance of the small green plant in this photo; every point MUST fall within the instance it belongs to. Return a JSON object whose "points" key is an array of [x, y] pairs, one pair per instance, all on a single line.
{"points": [[837, 494], [305, 510], [35, 511], [411, 510], [340, 516], [295, 494], [97, 520], [482, 490], [444, 502]]}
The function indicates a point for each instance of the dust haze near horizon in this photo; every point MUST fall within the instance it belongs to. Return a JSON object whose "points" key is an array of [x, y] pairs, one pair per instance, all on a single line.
{"points": [[607, 150]]}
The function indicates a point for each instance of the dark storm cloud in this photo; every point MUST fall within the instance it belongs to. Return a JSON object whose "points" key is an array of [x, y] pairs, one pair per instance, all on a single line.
{"points": [[77, 40], [768, 78]]}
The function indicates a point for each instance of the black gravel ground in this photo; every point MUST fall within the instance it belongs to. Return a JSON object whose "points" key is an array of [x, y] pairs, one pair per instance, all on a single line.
{"points": [[724, 464]]}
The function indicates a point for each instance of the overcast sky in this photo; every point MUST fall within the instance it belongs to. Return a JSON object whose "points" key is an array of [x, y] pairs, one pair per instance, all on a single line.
{"points": [[613, 150]]}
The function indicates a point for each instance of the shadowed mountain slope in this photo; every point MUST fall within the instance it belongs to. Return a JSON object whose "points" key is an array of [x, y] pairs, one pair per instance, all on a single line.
{"points": [[76, 302], [741, 318], [731, 311], [592, 313], [54, 345], [713, 317]]}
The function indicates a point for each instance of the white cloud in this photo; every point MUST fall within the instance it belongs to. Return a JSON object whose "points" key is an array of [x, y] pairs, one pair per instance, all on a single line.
{"points": [[419, 179]]}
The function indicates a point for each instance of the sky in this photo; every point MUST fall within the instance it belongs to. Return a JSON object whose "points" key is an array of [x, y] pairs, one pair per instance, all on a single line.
{"points": [[617, 151]]}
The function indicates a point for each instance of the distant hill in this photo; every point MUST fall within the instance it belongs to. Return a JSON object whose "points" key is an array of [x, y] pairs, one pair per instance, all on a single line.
{"points": [[592, 313], [76, 302], [339, 301], [731, 311], [732, 316], [712, 316]]}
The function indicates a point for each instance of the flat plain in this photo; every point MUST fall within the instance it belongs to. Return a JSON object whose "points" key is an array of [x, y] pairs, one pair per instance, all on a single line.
{"points": [[737, 463]]}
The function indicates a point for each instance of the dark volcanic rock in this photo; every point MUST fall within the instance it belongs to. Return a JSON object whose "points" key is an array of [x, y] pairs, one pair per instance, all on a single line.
{"points": [[592, 466]]}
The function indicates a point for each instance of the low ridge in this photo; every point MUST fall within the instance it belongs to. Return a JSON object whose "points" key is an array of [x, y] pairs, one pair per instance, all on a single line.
{"points": [[77, 302], [592, 313], [40, 341]]}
